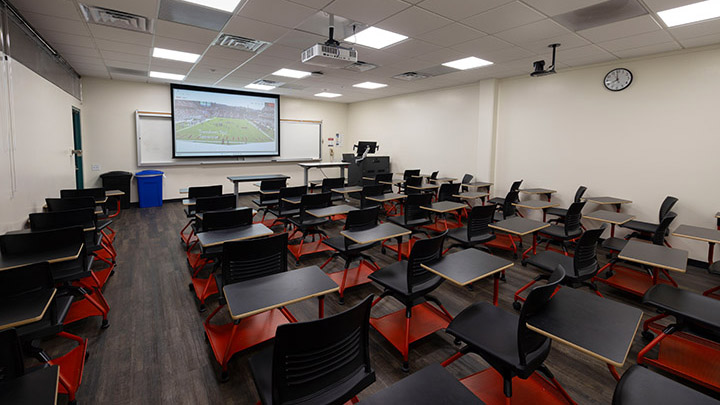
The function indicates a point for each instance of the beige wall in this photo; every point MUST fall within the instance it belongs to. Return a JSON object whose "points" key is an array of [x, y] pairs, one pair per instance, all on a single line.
{"points": [[42, 117], [446, 130], [658, 137], [109, 135]]}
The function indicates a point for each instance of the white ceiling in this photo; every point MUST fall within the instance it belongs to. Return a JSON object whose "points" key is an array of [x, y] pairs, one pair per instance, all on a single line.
{"points": [[512, 34]]}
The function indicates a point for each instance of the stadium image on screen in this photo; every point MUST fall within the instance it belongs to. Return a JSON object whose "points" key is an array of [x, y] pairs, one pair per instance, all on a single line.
{"points": [[212, 123]]}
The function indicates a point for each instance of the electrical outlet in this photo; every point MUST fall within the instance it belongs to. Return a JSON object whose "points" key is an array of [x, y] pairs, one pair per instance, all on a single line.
{"points": [[96, 168]]}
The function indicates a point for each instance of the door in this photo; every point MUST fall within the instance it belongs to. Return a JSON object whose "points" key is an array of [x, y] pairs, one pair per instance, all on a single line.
{"points": [[77, 151]]}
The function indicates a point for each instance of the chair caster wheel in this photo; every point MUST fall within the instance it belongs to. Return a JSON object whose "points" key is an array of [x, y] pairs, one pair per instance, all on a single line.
{"points": [[190, 287], [515, 256], [202, 308], [382, 250], [524, 263], [207, 340], [456, 342], [112, 273], [647, 335], [517, 305], [405, 367], [470, 287], [224, 377], [297, 262], [87, 356], [503, 278], [105, 324], [341, 301], [73, 402]]}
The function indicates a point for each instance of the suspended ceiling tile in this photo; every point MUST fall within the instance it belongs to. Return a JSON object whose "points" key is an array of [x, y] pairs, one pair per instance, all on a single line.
{"points": [[648, 50], [170, 67], [696, 30], [184, 32], [192, 14], [662, 5], [580, 52], [482, 45], [126, 65], [700, 41], [300, 40], [441, 56], [621, 29], [249, 28], [567, 41], [89, 60], [105, 45], [366, 11], [506, 54], [555, 7], [316, 4], [282, 51], [533, 32], [411, 48], [120, 35], [278, 12], [56, 8], [119, 56], [589, 60], [51, 23], [413, 22], [504, 18], [460, 9], [636, 41], [55, 38], [450, 35]]}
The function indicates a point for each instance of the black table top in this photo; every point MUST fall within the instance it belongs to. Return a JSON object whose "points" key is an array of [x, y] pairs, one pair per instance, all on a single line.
{"points": [[201, 215], [257, 177], [471, 195], [519, 226], [538, 191], [37, 387], [424, 186], [444, 206], [607, 200], [60, 254], [600, 327], [293, 200], [684, 303], [265, 293], [347, 190], [431, 385], [643, 386], [114, 193], [611, 217], [324, 164], [332, 210], [379, 233], [655, 255], [467, 266], [213, 238], [26, 308], [698, 233], [188, 201], [535, 204], [387, 197]]}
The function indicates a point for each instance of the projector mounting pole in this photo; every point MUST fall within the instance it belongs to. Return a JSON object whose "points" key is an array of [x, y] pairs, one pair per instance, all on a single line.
{"points": [[554, 47], [331, 32]]}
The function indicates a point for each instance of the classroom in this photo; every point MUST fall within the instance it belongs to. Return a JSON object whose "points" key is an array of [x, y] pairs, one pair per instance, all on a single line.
{"points": [[342, 201]]}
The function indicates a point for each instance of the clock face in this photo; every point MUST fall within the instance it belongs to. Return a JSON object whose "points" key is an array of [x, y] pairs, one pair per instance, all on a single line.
{"points": [[618, 79]]}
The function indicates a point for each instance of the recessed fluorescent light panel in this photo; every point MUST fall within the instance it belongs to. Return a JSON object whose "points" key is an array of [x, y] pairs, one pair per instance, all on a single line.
{"points": [[328, 95], [370, 85], [375, 38], [223, 5], [175, 55], [705, 10], [467, 63], [169, 76], [263, 87], [295, 74]]}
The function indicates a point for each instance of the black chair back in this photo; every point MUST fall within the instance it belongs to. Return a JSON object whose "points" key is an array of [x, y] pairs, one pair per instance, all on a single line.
{"points": [[287, 192], [272, 185], [11, 359], [27, 243], [70, 203], [370, 191], [410, 173], [585, 260], [205, 191], [480, 217], [448, 191], [25, 279], [364, 218], [313, 201], [573, 217], [413, 182], [387, 178], [333, 182], [529, 341], [508, 208], [84, 217], [658, 237], [579, 193], [254, 258], [97, 193], [225, 219], [467, 178], [424, 251], [312, 360], [666, 206], [516, 185], [413, 204], [434, 175], [217, 203]]}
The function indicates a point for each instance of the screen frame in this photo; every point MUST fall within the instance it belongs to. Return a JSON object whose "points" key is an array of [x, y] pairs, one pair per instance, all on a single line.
{"points": [[174, 86]]}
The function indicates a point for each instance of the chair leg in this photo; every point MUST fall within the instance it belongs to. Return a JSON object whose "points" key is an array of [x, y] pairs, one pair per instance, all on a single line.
{"points": [[406, 348]]}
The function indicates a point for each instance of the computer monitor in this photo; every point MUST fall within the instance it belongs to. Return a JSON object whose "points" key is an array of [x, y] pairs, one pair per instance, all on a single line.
{"points": [[371, 147], [348, 157]]}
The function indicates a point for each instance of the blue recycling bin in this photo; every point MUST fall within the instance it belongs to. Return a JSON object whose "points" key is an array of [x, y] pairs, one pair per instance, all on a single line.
{"points": [[149, 185]]}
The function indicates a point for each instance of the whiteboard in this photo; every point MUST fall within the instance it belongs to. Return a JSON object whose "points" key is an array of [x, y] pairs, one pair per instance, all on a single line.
{"points": [[300, 140]]}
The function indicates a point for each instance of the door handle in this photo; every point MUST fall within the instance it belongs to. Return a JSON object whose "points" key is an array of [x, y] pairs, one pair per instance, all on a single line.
{"points": [[77, 152]]}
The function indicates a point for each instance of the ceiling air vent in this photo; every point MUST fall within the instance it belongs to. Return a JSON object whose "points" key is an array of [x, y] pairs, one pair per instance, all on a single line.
{"points": [[241, 43], [117, 19], [410, 76], [264, 82], [360, 67]]}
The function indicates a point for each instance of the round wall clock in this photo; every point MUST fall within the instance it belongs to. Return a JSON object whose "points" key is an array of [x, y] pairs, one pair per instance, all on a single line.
{"points": [[618, 79]]}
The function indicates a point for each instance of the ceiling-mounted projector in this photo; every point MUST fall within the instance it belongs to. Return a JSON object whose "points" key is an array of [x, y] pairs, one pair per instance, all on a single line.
{"points": [[539, 66], [329, 54]]}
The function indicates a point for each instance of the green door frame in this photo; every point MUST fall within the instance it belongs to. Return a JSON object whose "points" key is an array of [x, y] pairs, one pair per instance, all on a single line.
{"points": [[77, 143]]}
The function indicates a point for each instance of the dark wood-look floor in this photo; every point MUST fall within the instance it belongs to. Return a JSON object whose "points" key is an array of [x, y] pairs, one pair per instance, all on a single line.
{"points": [[155, 351]]}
